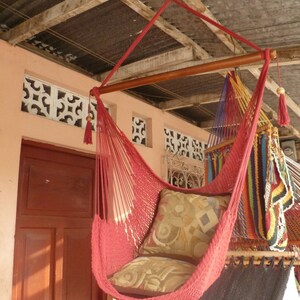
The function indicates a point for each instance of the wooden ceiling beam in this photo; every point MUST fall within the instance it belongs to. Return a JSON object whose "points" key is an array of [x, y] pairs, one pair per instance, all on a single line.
{"points": [[273, 86], [147, 13], [272, 115], [237, 49], [166, 63], [154, 64], [287, 55], [206, 125], [49, 18], [231, 44], [183, 58], [189, 101], [172, 31]]}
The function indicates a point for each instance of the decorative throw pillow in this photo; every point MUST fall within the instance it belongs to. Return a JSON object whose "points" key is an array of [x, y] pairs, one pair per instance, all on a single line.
{"points": [[152, 276], [184, 225]]}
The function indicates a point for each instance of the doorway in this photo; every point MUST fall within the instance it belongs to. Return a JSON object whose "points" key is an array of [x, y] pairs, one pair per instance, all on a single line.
{"points": [[52, 258]]}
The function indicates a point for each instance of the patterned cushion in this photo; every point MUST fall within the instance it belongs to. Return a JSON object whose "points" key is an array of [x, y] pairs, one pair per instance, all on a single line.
{"points": [[152, 276], [184, 225]]}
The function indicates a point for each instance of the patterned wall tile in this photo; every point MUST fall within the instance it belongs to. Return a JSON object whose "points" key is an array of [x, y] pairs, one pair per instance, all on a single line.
{"points": [[139, 130], [183, 145], [55, 103]]}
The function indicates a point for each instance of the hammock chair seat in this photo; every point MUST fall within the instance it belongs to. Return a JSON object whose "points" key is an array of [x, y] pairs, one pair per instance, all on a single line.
{"points": [[181, 232]]}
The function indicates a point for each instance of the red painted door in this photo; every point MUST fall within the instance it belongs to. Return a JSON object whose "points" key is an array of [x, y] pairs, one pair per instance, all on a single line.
{"points": [[53, 225]]}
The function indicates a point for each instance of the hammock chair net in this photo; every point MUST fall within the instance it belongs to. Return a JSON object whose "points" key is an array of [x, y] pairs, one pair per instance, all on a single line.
{"points": [[127, 190], [126, 182]]}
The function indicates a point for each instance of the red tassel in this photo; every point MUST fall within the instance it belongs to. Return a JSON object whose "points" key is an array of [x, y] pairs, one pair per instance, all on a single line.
{"points": [[88, 131], [88, 128], [282, 114], [283, 117]]}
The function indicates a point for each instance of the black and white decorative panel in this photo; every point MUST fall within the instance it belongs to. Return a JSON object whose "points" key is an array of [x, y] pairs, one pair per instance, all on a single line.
{"points": [[139, 131], [37, 98], [55, 103], [198, 149], [183, 145]]}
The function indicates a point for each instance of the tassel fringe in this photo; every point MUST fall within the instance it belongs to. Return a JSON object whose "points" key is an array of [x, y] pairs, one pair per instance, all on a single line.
{"points": [[283, 116], [88, 131]]}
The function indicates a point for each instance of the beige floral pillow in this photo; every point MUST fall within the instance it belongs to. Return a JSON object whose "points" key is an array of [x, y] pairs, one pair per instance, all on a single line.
{"points": [[184, 225]]}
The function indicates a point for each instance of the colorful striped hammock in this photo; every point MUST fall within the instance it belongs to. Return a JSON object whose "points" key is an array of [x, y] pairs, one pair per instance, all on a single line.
{"points": [[268, 192]]}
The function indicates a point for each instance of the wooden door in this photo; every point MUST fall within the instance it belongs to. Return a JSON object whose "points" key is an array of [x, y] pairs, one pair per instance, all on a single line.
{"points": [[52, 257]]}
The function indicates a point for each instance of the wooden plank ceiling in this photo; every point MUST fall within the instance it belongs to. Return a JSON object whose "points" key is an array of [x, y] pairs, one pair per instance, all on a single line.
{"points": [[90, 36]]}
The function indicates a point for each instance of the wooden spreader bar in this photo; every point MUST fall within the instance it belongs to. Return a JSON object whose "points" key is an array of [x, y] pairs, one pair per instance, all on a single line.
{"points": [[232, 62]]}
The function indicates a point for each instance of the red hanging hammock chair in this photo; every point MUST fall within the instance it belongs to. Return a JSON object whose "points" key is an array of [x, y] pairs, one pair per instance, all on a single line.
{"points": [[122, 174], [127, 193]]}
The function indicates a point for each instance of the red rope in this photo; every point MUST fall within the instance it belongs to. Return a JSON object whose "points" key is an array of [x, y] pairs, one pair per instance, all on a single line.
{"points": [[135, 43], [152, 21], [218, 25]]}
